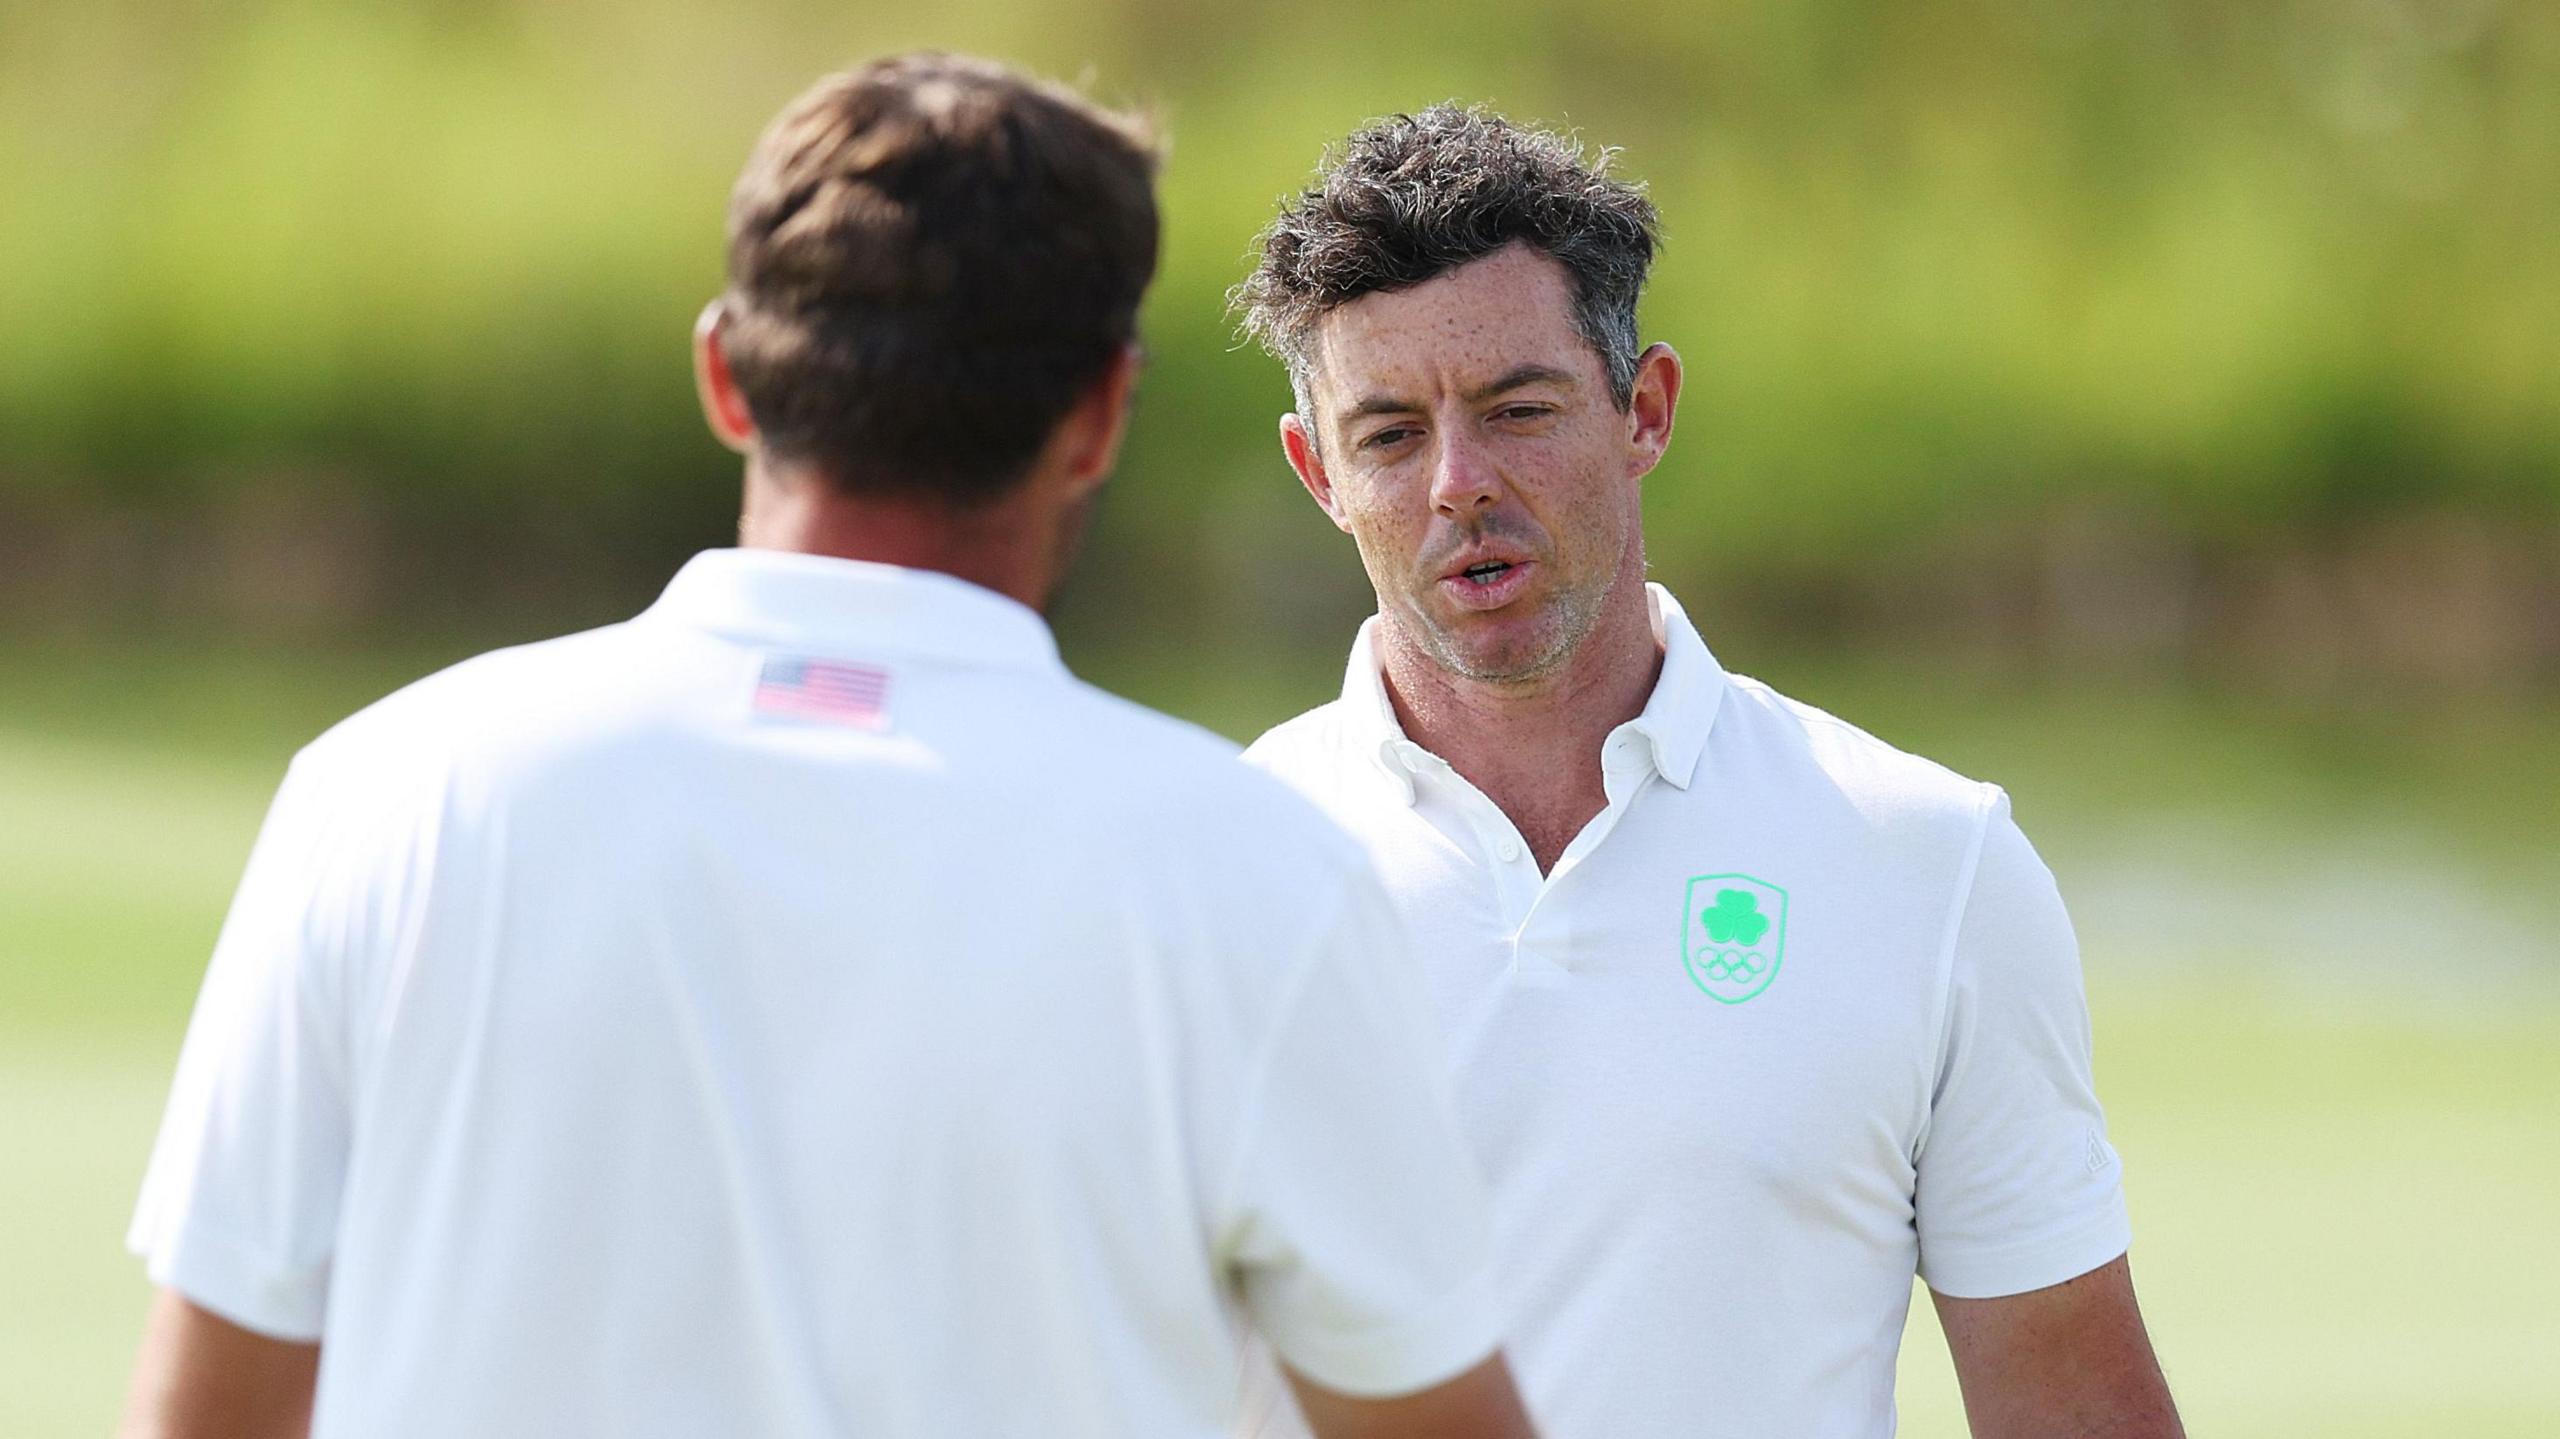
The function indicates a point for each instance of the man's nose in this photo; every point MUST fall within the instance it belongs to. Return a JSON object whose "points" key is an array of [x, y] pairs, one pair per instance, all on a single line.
{"points": [[1463, 478]]}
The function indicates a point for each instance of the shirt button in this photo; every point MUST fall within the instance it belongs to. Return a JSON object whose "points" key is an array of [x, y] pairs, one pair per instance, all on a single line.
{"points": [[1510, 851]]}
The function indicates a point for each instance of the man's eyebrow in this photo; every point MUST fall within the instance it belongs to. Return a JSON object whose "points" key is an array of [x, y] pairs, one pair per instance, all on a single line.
{"points": [[1512, 379], [1520, 375], [1380, 404]]}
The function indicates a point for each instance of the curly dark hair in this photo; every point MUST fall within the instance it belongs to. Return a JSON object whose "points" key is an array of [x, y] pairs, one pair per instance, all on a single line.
{"points": [[1412, 197]]}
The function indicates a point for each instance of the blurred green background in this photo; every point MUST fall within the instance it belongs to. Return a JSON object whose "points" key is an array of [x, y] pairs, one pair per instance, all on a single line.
{"points": [[2155, 409]]}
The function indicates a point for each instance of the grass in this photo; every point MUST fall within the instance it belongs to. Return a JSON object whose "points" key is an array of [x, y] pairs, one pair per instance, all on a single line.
{"points": [[2340, 1220], [80, 1114], [2341, 1196]]}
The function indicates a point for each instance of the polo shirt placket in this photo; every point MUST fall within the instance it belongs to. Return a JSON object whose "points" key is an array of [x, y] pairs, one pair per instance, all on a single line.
{"points": [[1635, 755]]}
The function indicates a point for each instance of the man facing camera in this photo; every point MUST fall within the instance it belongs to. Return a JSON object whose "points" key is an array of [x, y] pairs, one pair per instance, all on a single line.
{"points": [[1753, 1016], [805, 1009]]}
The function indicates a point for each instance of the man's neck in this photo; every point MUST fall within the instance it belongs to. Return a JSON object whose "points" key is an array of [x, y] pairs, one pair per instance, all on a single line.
{"points": [[997, 547], [1532, 746]]}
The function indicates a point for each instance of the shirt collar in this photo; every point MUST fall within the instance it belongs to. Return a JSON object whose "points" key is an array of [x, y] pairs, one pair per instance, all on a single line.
{"points": [[1672, 728], [832, 605]]}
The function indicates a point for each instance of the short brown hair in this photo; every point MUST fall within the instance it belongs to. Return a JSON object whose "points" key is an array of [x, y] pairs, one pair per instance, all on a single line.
{"points": [[930, 258], [1412, 197]]}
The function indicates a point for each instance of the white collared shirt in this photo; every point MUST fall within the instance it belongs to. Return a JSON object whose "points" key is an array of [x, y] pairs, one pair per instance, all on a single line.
{"points": [[1796, 1016], [807, 1010]]}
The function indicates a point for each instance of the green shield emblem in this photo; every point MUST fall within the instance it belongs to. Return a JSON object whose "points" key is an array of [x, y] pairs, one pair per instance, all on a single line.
{"points": [[1733, 932]]}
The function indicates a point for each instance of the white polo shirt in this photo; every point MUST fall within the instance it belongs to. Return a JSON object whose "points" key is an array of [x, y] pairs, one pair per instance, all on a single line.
{"points": [[806, 1009], [1796, 1015]]}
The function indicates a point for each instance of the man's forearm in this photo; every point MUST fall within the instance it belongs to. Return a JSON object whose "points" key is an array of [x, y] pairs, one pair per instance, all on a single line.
{"points": [[2072, 1361], [200, 1376]]}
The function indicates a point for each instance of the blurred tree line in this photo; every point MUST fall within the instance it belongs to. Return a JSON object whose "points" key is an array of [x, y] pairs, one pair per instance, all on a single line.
{"points": [[2213, 334]]}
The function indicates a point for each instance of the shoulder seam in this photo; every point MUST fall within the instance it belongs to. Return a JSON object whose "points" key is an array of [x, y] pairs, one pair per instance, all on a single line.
{"points": [[1988, 797], [1816, 714]]}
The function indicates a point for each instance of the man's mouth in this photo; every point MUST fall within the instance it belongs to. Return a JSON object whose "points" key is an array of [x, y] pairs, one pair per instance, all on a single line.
{"points": [[1486, 584]]}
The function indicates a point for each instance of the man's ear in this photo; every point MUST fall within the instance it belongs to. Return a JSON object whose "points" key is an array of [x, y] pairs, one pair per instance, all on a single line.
{"points": [[1090, 435], [1308, 461], [723, 406], [1650, 407]]}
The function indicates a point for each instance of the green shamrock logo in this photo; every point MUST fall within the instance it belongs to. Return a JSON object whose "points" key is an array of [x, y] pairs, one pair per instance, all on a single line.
{"points": [[1736, 918]]}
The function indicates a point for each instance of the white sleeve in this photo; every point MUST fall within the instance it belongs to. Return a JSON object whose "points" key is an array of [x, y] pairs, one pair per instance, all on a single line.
{"points": [[1357, 1225], [239, 1206], [2018, 1188]]}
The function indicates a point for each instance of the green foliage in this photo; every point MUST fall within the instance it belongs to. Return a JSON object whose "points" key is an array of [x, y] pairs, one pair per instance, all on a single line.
{"points": [[2232, 264]]}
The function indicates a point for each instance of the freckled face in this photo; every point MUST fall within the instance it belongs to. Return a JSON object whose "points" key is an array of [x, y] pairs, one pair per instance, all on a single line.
{"points": [[1472, 451]]}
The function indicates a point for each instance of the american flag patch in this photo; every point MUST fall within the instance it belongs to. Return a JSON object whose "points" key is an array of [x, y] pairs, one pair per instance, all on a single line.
{"points": [[829, 691]]}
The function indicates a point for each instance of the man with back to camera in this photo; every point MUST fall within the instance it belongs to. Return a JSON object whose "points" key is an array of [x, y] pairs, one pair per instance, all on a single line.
{"points": [[1753, 1015], [805, 1009]]}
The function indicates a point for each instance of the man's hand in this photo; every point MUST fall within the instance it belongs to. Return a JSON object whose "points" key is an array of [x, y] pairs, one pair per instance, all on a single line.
{"points": [[1479, 1404], [2067, 1362], [200, 1376]]}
